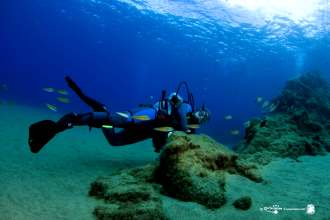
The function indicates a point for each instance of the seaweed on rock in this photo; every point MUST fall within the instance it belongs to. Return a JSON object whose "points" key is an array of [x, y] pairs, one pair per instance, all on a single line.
{"points": [[194, 168], [190, 168], [299, 125]]}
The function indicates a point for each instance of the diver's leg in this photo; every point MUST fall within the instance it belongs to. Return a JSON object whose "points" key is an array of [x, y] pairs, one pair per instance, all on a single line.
{"points": [[130, 133], [126, 136], [92, 119], [135, 130], [95, 105], [42, 132]]}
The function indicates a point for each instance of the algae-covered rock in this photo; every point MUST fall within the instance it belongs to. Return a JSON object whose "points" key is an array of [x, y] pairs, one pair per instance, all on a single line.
{"points": [[243, 203], [299, 125], [191, 168], [128, 195], [194, 168], [309, 93]]}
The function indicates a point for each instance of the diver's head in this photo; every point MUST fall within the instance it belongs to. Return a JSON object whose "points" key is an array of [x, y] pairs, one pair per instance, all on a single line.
{"points": [[175, 100], [202, 116]]}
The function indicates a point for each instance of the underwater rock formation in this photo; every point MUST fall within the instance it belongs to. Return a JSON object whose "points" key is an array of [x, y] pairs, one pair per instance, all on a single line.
{"points": [[299, 125], [190, 168], [243, 203], [194, 168], [128, 195]]}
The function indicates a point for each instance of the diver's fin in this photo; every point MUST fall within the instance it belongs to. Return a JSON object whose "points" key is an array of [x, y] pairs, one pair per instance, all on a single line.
{"points": [[95, 105], [73, 85], [41, 133]]}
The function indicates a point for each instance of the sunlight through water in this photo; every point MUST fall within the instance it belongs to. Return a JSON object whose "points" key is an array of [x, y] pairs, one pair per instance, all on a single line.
{"points": [[239, 29], [295, 10]]}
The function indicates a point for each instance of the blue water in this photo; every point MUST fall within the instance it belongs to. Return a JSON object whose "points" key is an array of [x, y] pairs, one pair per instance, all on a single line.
{"points": [[124, 52]]}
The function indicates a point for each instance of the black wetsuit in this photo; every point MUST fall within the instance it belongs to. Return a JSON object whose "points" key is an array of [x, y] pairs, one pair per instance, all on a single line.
{"points": [[125, 128]]}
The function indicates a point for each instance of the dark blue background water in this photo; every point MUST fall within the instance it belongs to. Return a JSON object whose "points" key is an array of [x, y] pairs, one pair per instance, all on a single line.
{"points": [[122, 56]]}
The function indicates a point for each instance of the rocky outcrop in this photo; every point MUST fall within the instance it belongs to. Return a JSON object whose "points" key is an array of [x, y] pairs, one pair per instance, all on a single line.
{"points": [[194, 168], [128, 195], [299, 123], [243, 203], [190, 168]]}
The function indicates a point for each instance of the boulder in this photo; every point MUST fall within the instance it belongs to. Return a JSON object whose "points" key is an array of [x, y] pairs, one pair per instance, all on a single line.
{"points": [[194, 168], [190, 168], [128, 195], [297, 125], [243, 203]]}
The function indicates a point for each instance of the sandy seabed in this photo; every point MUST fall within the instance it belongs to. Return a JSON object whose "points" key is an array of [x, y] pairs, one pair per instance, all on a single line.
{"points": [[54, 183]]}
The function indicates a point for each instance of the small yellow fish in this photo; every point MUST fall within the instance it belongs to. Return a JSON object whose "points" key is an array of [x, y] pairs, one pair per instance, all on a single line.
{"points": [[259, 99], [63, 99], [228, 117], [107, 126], [164, 129], [234, 132], [247, 124], [51, 107], [194, 126], [265, 104], [62, 92], [122, 114], [48, 89], [273, 107], [141, 117]]}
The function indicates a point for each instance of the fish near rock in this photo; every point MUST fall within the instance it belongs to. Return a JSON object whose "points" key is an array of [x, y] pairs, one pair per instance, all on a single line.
{"points": [[62, 92], [228, 117], [63, 100], [259, 99], [48, 89], [234, 132], [51, 107], [297, 125]]}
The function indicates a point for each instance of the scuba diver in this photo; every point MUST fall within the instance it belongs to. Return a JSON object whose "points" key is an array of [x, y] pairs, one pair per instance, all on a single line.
{"points": [[156, 121]]}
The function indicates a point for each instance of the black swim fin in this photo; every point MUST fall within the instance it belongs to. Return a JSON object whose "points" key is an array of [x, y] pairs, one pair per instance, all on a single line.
{"points": [[41, 133], [95, 105]]}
